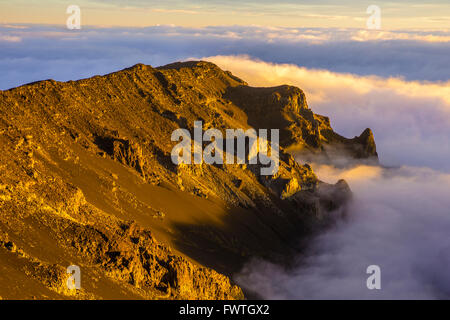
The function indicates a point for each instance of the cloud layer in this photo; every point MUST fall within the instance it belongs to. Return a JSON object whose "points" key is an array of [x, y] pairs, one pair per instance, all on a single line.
{"points": [[35, 52], [399, 220]]}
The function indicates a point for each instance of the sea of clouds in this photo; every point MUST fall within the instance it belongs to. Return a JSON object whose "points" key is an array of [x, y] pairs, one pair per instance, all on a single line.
{"points": [[35, 52], [396, 83], [399, 220]]}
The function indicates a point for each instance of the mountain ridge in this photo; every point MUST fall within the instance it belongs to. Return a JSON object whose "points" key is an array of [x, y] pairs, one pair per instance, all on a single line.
{"points": [[90, 159]]}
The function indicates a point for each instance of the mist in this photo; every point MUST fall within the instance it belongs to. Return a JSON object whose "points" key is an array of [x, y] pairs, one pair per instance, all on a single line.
{"points": [[399, 220]]}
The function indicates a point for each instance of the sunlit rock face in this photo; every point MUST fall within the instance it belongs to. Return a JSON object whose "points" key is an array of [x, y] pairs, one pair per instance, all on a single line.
{"points": [[87, 179]]}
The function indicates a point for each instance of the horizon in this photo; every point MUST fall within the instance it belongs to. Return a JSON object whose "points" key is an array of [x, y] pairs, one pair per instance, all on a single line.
{"points": [[349, 14]]}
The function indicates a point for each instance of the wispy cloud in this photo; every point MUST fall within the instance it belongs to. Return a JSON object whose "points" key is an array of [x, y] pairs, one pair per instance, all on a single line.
{"points": [[367, 35], [9, 38], [176, 11]]}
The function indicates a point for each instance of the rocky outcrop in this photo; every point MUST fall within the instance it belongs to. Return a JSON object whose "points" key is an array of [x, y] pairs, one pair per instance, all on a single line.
{"points": [[302, 132], [82, 159]]}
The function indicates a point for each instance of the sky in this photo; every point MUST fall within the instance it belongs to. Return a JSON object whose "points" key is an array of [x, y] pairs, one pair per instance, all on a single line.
{"points": [[395, 80], [411, 14]]}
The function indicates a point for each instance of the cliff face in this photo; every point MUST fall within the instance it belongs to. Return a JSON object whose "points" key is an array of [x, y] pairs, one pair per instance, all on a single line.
{"points": [[87, 179], [302, 131]]}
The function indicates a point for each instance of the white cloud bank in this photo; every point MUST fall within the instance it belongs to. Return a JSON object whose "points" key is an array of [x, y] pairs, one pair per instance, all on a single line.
{"points": [[410, 119], [399, 220], [35, 52]]}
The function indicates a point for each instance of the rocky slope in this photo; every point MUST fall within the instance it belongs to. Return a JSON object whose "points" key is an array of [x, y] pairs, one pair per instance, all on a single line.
{"points": [[86, 178]]}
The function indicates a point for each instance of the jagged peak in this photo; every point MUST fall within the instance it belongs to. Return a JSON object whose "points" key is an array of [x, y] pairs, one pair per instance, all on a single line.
{"points": [[139, 66], [366, 134]]}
